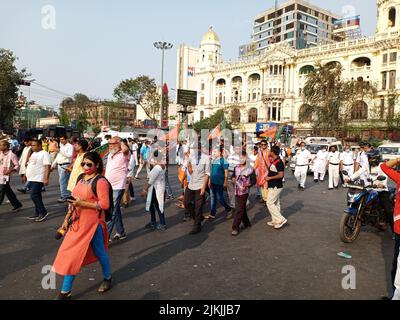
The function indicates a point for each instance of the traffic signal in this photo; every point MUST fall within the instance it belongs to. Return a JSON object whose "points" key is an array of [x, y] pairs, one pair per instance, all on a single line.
{"points": [[23, 83]]}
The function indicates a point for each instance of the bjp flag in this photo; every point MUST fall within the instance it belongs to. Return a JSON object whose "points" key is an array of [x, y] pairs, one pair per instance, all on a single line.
{"points": [[270, 132]]}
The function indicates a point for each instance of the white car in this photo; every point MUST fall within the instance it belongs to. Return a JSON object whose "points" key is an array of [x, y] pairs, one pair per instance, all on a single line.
{"points": [[389, 151]]}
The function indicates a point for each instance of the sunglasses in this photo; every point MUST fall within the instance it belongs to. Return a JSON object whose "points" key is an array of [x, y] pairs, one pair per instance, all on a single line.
{"points": [[85, 164], [263, 144]]}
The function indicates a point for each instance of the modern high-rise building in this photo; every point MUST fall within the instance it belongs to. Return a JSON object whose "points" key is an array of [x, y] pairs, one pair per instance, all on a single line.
{"points": [[297, 22]]}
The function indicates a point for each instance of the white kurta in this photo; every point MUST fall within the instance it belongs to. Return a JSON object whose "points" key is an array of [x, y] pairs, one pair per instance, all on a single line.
{"points": [[24, 160], [157, 185], [320, 162]]}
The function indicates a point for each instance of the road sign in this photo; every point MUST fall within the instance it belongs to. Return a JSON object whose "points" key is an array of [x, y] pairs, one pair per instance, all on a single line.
{"points": [[187, 97]]}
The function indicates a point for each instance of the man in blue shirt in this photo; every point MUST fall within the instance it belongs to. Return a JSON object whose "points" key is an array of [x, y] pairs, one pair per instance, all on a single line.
{"points": [[218, 181], [144, 159]]}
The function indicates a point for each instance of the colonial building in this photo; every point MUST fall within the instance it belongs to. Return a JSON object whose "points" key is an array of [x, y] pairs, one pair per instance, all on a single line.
{"points": [[104, 114], [268, 87]]}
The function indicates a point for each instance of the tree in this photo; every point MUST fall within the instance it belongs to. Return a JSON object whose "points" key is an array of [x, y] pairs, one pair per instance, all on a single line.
{"points": [[212, 122], [329, 100], [141, 91], [63, 117], [81, 121], [9, 79]]}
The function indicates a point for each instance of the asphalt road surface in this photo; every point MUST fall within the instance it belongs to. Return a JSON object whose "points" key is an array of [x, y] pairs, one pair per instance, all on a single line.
{"points": [[298, 262]]}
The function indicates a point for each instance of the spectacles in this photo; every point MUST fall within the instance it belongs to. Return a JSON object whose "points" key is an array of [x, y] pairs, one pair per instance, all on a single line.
{"points": [[85, 164]]}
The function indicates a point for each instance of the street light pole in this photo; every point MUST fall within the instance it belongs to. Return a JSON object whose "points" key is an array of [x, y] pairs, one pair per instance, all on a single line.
{"points": [[162, 46]]}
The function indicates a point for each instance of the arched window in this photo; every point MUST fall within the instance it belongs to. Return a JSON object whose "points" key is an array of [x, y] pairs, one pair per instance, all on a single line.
{"points": [[253, 115], [307, 69], [221, 83], [201, 115], [359, 111], [361, 62], [333, 64], [392, 17], [235, 115], [305, 115]]}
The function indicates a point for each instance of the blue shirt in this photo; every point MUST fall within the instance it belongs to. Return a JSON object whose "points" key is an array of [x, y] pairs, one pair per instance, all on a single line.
{"points": [[145, 152], [218, 168]]}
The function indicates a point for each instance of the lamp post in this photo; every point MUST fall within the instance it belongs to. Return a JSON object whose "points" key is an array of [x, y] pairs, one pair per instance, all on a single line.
{"points": [[162, 46]]}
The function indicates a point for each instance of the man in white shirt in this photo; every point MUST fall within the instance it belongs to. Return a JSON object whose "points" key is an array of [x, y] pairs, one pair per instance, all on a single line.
{"points": [[134, 149], [347, 160], [199, 167], [23, 162], [320, 164], [362, 163], [8, 165], [37, 174], [302, 163], [62, 162], [234, 161], [334, 168]]}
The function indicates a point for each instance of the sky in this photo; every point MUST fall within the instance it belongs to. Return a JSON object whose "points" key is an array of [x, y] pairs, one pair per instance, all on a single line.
{"points": [[98, 43]]}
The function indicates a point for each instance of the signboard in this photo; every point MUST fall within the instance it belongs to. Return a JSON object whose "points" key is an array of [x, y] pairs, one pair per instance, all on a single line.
{"points": [[262, 127], [149, 124], [187, 97]]}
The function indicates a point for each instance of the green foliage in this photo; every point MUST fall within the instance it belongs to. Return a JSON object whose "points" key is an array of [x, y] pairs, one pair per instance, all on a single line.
{"points": [[141, 91], [329, 100], [9, 77], [212, 122], [63, 117]]}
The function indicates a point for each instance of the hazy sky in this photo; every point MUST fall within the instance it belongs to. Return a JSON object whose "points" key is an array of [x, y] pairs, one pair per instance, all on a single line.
{"points": [[98, 43]]}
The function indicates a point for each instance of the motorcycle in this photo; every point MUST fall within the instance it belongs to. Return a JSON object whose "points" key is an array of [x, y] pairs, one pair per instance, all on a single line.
{"points": [[364, 208]]}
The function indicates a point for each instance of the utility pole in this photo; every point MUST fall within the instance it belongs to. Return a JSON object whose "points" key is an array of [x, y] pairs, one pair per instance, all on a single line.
{"points": [[162, 46]]}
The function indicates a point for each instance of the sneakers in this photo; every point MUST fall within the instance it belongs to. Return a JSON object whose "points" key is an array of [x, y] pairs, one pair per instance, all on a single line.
{"points": [[119, 237], [271, 223], [105, 286], [34, 217], [279, 225], [161, 227], [235, 233], [210, 217], [61, 200], [42, 217]]}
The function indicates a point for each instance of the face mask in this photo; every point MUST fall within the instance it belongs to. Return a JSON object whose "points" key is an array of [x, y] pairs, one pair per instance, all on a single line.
{"points": [[89, 171]]}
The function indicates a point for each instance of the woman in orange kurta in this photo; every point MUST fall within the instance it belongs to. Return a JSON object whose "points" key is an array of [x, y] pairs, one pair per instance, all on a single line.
{"points": [[261, 167], [86, 240]]}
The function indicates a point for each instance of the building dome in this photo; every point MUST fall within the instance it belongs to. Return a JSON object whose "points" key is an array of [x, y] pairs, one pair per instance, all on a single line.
{"points": [[210, 37]]}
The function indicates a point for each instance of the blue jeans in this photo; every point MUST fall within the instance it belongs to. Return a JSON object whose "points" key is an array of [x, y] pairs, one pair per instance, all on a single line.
{"points": [[116, 216], [100, 252], [36, 196], [63, 179], [217, 191]]}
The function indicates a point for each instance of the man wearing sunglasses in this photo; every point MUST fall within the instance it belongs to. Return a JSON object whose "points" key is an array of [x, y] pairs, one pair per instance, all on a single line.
{"points": [[116, 174]]}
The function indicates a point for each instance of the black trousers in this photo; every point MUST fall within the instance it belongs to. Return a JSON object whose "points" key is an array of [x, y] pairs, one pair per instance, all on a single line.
{"points": [[5, 190], [395, 258], [387, 205], [194, 203], [241, 212]]}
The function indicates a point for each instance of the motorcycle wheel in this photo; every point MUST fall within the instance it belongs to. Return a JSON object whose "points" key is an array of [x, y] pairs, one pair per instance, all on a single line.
{"points": [[346, 231]]}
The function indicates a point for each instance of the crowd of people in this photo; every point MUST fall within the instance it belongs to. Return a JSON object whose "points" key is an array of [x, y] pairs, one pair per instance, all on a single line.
{"points": [[94, 190]]}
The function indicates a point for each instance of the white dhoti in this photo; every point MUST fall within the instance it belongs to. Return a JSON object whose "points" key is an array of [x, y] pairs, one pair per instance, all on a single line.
{"points": [[301, 175], [319, 170]]}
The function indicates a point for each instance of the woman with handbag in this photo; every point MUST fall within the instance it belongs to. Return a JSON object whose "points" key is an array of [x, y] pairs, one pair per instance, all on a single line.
{"points": [[86, 239]]}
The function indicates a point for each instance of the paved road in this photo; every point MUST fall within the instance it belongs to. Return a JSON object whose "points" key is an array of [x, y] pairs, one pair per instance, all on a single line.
{"points": [[297, 262]]}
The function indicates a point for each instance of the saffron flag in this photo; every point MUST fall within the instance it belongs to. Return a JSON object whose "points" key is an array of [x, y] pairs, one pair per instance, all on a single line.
{"points": [[217, 132], [103, 151], [270, 132], [173, 134]]}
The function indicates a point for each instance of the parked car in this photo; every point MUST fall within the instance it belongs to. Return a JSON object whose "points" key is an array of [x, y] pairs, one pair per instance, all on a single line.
{"points": [[389, 151]]}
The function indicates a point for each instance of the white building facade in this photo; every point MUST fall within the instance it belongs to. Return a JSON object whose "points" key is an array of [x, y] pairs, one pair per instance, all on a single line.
{"points": [[269, 87]]}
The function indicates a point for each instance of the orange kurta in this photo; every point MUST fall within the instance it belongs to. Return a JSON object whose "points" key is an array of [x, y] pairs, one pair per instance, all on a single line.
{"points": [[75, 251], [261, 166]]}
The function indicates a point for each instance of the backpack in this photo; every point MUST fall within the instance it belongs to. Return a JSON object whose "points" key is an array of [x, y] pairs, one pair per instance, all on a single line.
{"points": [[110, 210]]}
